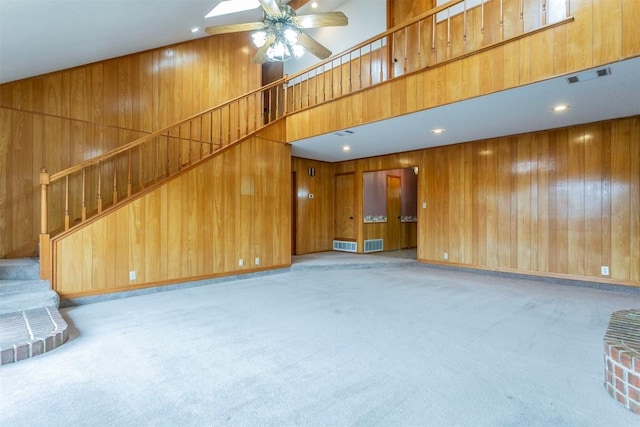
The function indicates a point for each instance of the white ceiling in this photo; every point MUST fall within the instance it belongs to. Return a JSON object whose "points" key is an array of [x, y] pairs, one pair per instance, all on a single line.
{"points": [[40, 36]]}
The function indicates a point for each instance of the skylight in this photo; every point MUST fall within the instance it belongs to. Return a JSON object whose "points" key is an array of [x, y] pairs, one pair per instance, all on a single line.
{"points": [[232, 6]]}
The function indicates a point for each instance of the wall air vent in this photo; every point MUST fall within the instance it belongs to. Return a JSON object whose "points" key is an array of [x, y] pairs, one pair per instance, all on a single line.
{"points": [[589, 75], [345, 246], [373, 245]]}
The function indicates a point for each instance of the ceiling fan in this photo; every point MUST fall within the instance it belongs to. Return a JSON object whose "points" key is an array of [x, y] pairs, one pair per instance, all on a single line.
{"points": [[280, 37]]}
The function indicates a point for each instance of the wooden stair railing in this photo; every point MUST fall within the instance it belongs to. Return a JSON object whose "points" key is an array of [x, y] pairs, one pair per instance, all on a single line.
{"points": [[444, 33], [86, 189]]}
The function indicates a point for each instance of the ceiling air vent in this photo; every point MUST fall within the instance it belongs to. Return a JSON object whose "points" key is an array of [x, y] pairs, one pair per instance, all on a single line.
{"points": [[589, 75], [344, 133]]}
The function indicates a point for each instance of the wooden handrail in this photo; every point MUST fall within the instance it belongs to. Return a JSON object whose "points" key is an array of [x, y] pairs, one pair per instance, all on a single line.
{"points": [[95, 160]]}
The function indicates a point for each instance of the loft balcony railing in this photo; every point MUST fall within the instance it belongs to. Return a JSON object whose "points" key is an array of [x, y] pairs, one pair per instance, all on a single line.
{"points": [[445, 33]]}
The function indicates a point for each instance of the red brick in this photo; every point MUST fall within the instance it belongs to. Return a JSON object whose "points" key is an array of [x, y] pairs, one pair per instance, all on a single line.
{"points": [[634, 407], [633, 393], [636, 367], [633, 379], [609, 365], [621, 398], [610, 390], [614, 353], [609, 377], [625, 359], [621, 386], [621, 373]]}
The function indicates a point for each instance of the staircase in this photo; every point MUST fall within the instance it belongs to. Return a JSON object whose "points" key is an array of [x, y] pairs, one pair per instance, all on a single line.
{"points": [[30, 323]]}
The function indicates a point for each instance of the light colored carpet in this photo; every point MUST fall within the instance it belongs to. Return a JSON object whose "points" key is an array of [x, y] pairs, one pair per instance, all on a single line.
{"points": [[396, 346]]}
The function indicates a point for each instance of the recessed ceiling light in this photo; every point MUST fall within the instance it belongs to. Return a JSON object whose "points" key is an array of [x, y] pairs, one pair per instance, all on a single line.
{"points": [[560, 107], [314, 4], [438, 131], [346, 148], [227, 7], [195, 29]]}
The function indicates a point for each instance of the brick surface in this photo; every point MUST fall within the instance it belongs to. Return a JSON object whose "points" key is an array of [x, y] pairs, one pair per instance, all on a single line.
{"points": [[621, 386], [7, 356], [634, 379], [621, 373], [614, 353], [634, 407], [636, 364], [626, 360], [22, 351], [37, 348], [633, 393], [621, 398]]}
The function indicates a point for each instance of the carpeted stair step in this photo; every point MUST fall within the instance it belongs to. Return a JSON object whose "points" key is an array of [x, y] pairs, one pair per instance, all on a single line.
{"points": [[28, 300], [29, 333], [20, 269], [16, 286]]}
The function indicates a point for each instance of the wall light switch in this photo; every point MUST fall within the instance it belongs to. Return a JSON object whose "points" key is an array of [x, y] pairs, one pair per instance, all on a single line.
{"points": [[424, 205]]}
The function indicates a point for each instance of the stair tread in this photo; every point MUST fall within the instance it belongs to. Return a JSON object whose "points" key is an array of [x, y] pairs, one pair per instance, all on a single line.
{"points": [[28, 300], [22, 285], [20, 269]]}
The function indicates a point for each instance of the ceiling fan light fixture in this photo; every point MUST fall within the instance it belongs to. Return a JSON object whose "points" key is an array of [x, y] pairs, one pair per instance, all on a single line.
{"points": [[279, 51], [259, 38]]}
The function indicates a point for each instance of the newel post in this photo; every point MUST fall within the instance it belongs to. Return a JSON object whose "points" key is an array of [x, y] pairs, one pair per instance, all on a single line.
{"points": [[45, 244]]}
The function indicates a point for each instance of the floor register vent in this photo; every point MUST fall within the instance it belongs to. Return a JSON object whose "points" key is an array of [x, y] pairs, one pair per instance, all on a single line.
{"points": [[373, 245], [344, 246]]}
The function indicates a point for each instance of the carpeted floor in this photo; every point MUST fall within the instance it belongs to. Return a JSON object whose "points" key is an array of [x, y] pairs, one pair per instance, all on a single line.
{"points": [[389, 346]]}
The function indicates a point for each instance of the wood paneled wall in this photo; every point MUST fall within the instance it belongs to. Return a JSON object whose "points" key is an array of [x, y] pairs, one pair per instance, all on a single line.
{"points": [[556, 203], [314, 219], [62, 118], [564, 202], [234, 206], [600, 34]]}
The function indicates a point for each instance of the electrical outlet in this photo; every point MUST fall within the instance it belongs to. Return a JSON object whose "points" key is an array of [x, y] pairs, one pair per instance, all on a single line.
{"points": [[132, 275], [424, 205], [257, 261], [240, 262], [445, 255], [604, 270]]}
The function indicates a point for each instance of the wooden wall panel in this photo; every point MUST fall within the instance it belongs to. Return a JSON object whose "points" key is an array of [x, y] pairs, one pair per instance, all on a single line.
{"points": [[558, 203], [315, 217], [603, 31], [59, 119], [175, 233]]}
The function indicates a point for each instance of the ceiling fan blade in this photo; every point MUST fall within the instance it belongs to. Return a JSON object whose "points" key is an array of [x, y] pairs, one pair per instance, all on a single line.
{"points": [[234, 28], [260, 54], [329, 19], [271, 8], [313, 46]]}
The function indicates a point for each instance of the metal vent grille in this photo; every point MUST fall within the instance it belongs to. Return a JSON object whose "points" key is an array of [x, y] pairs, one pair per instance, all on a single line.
{"points": [[373, 245], [344, 246]]}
